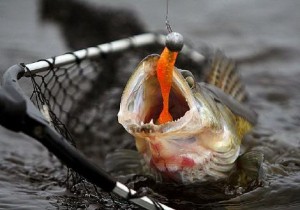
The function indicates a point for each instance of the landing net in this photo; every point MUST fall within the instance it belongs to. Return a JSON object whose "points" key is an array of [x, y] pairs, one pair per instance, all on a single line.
{"points": [[79, 94]]}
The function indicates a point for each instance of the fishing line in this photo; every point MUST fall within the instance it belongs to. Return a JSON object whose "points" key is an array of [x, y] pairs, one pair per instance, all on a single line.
{"points": [[168, 26]]}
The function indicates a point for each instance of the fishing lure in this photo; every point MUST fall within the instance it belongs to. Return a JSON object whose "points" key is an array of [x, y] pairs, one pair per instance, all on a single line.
{"points": [[165, 66]]}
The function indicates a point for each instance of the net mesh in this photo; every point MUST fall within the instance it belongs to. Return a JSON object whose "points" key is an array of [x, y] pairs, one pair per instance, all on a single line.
{"points": [[81, 101]]}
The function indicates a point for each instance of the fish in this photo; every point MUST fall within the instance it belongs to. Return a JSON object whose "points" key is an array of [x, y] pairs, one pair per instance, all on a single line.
{"points": [[202, 139]]}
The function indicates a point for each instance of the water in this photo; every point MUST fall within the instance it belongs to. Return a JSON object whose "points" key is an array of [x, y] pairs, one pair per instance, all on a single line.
{"points": [[263, 36]]}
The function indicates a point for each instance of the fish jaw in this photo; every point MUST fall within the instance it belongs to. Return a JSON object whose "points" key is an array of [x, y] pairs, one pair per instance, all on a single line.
{"points": [[173, 158], [186, 158], [141, 103]]}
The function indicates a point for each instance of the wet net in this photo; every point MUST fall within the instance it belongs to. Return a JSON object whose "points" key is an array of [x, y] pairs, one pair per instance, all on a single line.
{"points": [[80, 98]]}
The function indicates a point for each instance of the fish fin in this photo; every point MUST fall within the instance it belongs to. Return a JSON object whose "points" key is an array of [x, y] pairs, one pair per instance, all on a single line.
{"points": [[249, 169], [243, 126], [222, 73], [251, 162]]}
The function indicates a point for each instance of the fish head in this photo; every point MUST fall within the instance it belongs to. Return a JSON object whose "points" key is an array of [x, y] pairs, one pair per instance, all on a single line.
{"points": [[181, 149]]}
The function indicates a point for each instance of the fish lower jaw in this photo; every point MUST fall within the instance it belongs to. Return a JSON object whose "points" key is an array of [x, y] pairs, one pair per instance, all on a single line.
{"points": [[168, 168], [200, 173], [173, 164], [180, 163], [192, 168]]}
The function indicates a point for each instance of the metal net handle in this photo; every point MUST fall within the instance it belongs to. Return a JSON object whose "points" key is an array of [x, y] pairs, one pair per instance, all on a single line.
{"points": [[107, 48]]}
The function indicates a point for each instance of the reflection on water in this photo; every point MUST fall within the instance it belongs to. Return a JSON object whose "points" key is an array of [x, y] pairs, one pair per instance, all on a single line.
{"points": [[268, 61]]}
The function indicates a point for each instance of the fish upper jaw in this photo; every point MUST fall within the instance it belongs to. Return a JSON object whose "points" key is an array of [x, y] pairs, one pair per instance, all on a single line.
{"points": [[189, 124]]}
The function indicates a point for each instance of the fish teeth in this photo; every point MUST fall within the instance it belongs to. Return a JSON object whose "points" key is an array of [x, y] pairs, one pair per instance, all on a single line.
{"points": [[160, 167], [151, 122], [169, 168], [172, 168]]}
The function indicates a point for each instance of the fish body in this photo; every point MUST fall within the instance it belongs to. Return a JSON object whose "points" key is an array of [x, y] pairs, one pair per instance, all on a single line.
{"points": [[202, 142]]}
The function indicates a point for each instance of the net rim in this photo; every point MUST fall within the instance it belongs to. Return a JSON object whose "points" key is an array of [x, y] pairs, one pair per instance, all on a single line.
{"points": [[106, 48]]}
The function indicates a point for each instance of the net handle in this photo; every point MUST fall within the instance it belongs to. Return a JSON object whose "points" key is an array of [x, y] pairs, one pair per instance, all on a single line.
{"points": [[107, 48], [17, 113]]}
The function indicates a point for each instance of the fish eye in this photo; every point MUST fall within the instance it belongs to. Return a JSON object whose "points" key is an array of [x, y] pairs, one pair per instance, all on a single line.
{"points": [[190, 80], [189, 77]]}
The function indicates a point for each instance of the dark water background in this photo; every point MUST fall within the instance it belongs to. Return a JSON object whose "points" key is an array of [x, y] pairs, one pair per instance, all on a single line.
{"points": [[262, 36]]}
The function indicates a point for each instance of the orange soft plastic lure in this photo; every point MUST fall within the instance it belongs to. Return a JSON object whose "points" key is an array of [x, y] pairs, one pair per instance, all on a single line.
{"points": [[164, 72]]}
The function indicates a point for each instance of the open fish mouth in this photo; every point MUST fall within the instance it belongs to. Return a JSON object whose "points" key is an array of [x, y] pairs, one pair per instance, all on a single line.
{"points": [[153, 103], [142, 101]]}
